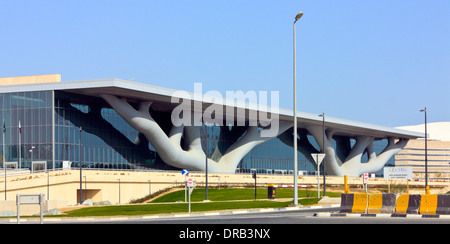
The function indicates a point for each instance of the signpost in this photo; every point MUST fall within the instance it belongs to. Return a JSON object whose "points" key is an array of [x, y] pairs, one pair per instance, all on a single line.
{"points": [[185, 172], [30, 199], [398, 173], [318, 158], [190, 184], [365, 181]]}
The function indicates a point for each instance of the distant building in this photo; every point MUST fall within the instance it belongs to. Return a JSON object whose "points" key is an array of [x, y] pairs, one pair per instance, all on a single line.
{"points": [[438, 153]]}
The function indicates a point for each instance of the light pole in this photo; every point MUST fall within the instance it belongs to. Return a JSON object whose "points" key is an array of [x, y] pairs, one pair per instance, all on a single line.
{"points": [[297, 17], [81, 174], [206, 163], [426, 148], [31, 151], [323, 151]]}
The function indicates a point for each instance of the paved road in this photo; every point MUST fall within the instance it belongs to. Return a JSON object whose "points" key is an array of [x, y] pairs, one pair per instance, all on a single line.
{"points": [[289, 217], [267, 226], [277, 217]]}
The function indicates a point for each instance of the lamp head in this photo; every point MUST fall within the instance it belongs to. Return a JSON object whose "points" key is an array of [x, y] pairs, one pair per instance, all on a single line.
{"points": [[299, 15]]}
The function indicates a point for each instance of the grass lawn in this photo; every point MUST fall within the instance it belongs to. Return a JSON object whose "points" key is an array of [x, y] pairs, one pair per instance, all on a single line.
{"points": [[237, 194], [144, 209], [217, 197]]}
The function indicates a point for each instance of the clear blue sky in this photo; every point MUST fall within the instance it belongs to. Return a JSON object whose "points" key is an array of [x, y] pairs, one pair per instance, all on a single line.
{"points": [[374, 61]]}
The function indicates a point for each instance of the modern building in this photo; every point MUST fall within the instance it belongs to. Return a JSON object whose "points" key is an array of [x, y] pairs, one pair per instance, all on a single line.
{"points": [[113, 123], [437, 154]]}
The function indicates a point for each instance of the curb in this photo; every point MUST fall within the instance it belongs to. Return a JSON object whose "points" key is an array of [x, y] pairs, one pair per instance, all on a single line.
{"points": [[415, 216], [178, 215]]}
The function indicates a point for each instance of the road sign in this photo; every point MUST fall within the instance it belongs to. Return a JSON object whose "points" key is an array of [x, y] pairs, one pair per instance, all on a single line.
{"points": [[366, 178], [190, 183], [30, 199], [318, 157], [185, 172], [394, 173], [365, 181]]}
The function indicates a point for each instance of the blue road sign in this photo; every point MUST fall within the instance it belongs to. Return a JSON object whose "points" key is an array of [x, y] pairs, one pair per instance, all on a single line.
{"points": [[185, 172]]}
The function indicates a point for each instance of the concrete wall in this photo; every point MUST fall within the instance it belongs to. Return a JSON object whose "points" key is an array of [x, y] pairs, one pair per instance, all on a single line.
{"points": [[104, 184], [30, 79], [62, 187]]}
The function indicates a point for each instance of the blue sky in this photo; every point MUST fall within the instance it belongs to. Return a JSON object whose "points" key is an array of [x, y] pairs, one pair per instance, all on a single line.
{"points": [[371, 61]]}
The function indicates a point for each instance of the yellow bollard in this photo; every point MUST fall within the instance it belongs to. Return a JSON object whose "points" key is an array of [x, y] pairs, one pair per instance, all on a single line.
{"points": [[346, 187]]}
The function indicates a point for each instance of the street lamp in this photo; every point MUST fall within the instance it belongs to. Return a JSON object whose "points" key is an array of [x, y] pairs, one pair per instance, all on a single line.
{"points": [[205, 134], [426, 148], [81, 173], [323, 151], [31, 151], [297, 17], [206, 162]]}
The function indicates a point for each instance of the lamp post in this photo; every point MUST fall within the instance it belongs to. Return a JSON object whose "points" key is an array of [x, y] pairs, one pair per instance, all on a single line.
{"points": [[426, 148], [297, 17], [205, 137], [206, 163], [31, 151], [4, 155], [81, 174], [323, 151]]}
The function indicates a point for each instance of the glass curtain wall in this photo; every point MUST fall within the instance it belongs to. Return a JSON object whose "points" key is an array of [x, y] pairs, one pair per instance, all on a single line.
{"points": [[107, 141], [33, 142]]}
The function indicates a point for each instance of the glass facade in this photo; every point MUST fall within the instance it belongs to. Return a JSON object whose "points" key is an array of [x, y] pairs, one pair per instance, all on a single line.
{"points": [[33, 110], [107, 141], [279, 159], [274, 156]]}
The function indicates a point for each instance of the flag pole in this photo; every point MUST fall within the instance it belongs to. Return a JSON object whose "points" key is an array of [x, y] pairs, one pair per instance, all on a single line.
{"points": [[4, 166], [3, 130], [20, 146]]}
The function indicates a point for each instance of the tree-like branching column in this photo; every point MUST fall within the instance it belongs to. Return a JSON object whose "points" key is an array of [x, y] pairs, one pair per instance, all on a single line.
{"points": [[346, 160], [191, 155]]}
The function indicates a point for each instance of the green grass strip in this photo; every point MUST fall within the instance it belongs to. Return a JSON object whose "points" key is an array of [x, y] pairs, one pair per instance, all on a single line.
{"points": [[223, 199], [146, 209], [199, 194]]}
